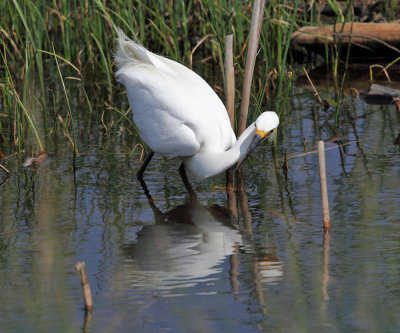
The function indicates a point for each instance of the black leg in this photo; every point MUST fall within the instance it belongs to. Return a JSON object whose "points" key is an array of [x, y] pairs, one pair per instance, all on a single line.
{"points": [[149, 155], [192, 194], [158, 214]]}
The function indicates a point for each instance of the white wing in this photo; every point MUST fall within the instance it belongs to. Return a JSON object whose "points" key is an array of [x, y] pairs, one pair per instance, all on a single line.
{"points": [[175, 110]]}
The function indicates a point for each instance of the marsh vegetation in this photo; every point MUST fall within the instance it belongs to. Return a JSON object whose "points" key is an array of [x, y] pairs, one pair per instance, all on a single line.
{"points": [[61, 106]]}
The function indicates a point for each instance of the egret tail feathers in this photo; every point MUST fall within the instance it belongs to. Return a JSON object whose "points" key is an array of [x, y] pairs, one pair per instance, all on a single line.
{"points": [[130, 53]]}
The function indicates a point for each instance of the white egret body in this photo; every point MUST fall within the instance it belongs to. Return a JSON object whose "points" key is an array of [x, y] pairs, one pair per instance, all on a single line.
{"points": [[178, 114]]}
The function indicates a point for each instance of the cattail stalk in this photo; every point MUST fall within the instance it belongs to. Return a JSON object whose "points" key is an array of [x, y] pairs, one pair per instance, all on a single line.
{"points": [[324, 188], [229, 80], [86, 292], [256, 20], [230, 107]]}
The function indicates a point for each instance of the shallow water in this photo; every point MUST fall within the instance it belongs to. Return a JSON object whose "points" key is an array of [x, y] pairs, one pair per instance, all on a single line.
{"points": [[171, 265]]}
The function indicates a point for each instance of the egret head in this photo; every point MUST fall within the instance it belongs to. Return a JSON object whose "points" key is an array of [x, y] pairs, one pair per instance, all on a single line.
{"points": [[265, 125]]}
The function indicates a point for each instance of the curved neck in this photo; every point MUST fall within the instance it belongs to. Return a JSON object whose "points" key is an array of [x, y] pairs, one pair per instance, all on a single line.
{"points": [[208, 163]]}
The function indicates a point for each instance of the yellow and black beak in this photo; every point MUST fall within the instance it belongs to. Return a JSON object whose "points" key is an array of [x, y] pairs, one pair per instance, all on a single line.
{"points": [[258, 137]]}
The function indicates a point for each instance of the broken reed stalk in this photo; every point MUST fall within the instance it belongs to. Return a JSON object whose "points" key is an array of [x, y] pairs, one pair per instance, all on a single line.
{"points": [[230, 107], [324, 188], [256, 19], [5, 170], [312, 85], [86, 292]]}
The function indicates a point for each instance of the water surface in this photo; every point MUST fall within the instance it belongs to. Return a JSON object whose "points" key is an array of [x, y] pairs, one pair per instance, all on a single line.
{"points": [[170, 264]]}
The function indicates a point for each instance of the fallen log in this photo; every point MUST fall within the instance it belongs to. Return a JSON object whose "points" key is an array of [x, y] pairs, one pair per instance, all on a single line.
{"points": [[368, 40]]}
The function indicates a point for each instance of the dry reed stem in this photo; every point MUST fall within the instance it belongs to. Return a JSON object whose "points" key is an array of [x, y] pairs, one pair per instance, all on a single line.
{"points": [[201, 41], [383, 70], [12, 155], [7, 175], [142, 150], [230, 80], [315, 151], [230, 107], [102, 121], [66, 132], [5, 170], [324, 188], [86, 292], [312, 85], [288, 217], [256, 19]]}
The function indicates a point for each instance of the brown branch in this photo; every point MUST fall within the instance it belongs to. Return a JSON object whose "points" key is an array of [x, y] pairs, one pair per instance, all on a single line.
{"points": [[371, 38]]}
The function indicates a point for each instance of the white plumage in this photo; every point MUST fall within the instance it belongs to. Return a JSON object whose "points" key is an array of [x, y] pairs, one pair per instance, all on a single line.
{"points": [[178, 114]]}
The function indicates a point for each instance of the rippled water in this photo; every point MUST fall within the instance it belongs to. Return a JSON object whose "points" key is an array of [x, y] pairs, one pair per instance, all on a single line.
{"points": [[169, 264]]}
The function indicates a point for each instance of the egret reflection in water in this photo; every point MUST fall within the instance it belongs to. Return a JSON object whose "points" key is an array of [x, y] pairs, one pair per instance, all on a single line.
{"points": [[189, 244]]}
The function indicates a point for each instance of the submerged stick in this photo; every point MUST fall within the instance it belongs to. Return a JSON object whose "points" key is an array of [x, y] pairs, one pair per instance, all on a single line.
{"points": [[324, 188], [325, 266], [86, 292], [256, 18]]}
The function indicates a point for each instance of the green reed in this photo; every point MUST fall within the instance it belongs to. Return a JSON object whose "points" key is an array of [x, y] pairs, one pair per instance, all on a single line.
{"points": [[83, 34], [20, 111]]}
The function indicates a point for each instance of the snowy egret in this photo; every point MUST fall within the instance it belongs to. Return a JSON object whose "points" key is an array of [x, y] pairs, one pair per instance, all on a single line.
{"points": [[178, 114]]}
